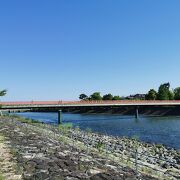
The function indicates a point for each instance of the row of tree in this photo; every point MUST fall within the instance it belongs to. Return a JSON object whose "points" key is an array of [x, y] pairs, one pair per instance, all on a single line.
{"points": [[97, 96], [164, 93]]}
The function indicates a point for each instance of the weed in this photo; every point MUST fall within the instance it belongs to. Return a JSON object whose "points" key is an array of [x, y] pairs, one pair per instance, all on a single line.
{"points": [[14, 152], [88, 130], [100, 146], [1, 177], [1, 138], [159, 145]]}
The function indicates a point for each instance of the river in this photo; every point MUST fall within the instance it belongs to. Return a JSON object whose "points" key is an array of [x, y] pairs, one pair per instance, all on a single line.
{"points": [[161, 130]]}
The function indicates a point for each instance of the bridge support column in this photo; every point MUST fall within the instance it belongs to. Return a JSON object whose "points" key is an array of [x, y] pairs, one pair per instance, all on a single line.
{"points": [[59, 117], [137, 113]]}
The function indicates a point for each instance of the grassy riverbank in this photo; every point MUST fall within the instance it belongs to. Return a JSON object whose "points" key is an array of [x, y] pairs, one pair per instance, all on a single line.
{"points": [[45, 151]]}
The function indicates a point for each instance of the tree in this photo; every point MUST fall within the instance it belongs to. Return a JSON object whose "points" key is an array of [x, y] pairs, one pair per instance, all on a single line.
{"points": [[164, 93], [96, 96], [151, 95], [171, 95], [177, 93], [107, 97], [116, 98], [83, 97], [3, 92]]}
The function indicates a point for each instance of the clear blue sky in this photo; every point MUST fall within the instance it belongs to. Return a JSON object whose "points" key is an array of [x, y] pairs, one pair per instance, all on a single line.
{"points": [[51, 50]]}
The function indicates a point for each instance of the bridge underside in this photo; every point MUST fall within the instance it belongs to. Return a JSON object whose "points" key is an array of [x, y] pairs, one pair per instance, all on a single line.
{"points": [[172, 110]]}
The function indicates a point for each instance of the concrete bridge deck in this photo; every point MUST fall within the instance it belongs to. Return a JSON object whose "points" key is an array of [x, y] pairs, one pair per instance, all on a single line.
{"points": [[124, 107], [32, 104]]}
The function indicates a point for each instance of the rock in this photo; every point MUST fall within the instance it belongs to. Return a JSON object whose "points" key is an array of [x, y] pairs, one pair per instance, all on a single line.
{"points": [[71, 178], [165, 165], [57, 160], [95, 171]]}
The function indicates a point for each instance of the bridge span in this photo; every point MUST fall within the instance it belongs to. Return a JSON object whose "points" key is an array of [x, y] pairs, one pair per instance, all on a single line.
{"points": [[124, 107], [31, 104]]}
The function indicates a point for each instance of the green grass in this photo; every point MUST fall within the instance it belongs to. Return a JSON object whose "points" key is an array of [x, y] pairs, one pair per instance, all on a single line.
{"points": [[159, 145], [27, 120], [22, 119], [65, 126], [1, 177], [1, 138], [11, 115]]}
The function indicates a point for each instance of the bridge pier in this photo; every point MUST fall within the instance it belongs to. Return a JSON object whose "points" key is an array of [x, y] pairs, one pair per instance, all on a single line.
{"points": [[59, 117], [137, 113]]}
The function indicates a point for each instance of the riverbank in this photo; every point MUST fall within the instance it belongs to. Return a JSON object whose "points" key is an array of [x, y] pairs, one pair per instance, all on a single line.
{"points": [[43, 151]]}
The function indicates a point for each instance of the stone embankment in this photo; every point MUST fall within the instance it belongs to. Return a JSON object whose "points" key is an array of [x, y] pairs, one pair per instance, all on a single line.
{"points": [[157, 155], [42, 151]]}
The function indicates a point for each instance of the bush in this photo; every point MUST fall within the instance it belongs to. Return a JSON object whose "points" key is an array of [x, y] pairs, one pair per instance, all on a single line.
{"points": [[66, 126]]}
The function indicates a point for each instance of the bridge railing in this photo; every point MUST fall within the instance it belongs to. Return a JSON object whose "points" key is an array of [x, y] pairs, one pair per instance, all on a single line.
{"points": [[83, 102]]}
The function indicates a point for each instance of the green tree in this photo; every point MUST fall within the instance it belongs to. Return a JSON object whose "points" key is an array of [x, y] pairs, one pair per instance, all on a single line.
{"points": [[116, 98], [83, 97], [107, 97], [164, 92], [151, 95], [96, 96], [3, 92], [171, 95], [177, 93]]}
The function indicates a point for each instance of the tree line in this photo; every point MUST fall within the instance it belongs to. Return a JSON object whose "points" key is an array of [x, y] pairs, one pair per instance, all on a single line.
{"points": [[97, 96], [164, 93]]}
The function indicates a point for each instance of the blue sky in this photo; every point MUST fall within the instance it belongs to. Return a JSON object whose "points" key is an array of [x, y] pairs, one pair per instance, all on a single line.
{"points": [[52, 50]]}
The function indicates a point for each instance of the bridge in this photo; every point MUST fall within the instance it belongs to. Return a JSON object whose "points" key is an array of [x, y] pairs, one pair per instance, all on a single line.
{"points": [[32, 104], [124, 107], [146, 107]]}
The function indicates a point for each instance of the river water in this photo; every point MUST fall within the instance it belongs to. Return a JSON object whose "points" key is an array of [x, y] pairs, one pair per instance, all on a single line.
{"points": [[161, 130]]}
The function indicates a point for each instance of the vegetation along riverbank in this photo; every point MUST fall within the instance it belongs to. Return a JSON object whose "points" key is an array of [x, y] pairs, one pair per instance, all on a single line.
{"points": [[41, 151]]}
